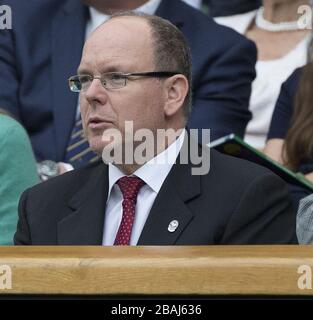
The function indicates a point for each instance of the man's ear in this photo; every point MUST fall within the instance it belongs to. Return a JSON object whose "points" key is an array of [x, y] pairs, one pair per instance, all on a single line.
{"points": [[177, 88]]}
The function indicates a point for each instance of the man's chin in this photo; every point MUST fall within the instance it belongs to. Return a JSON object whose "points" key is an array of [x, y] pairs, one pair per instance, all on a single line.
{"points": [[96, 145]]}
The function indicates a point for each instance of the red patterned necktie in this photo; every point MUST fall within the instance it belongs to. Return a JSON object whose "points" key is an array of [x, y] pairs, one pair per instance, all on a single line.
{"points": [[130, 187]]}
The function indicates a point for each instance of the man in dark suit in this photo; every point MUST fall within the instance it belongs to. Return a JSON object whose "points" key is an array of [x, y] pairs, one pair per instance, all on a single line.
{"points": [[44, 48], [145, 80]]}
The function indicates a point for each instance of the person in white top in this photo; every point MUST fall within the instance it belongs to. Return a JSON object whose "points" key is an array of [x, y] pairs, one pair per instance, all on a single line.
{"points": [[282, 47]]}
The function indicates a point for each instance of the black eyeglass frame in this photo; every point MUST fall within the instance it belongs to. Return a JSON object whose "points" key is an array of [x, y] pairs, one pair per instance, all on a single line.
{"points": [[153, 74]]}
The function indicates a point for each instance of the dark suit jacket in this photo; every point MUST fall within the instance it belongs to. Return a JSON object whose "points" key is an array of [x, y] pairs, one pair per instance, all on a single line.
{"points": [[44, 48], [284, 108], [237, 202], [222, 8]]}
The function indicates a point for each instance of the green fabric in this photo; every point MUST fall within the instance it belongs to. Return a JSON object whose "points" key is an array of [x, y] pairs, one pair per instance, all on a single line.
{"points": [[17, 172]]}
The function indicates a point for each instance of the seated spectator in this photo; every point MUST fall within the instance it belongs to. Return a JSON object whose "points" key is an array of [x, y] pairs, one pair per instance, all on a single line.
{"points": [[43, 49], [290, 136], [305, 221], [274, 23], [291, 131], [17, 172], [150, 202]]}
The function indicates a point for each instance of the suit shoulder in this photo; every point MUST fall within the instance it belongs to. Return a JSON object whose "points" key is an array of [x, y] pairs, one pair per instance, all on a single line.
{"points": [[205, 26], [235, 168], [25, 8]]}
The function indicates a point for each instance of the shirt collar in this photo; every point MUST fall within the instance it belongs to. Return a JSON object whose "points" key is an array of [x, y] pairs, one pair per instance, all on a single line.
{"points": [[97, 17], [155, 171]]}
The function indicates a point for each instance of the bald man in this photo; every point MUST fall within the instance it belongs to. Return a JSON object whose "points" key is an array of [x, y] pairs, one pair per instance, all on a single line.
{"points": [[145, 80]]}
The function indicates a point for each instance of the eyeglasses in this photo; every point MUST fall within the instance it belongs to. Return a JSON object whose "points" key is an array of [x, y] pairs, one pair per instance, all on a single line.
{"points": [[112, 80]]}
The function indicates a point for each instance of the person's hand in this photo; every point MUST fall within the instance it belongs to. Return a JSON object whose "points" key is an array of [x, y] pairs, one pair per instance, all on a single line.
{"points": [[309, 176], [64, 167], [48, 169]]}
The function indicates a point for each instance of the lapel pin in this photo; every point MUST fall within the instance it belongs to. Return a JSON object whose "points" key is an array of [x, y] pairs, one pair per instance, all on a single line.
{"points": [[173, 226]]}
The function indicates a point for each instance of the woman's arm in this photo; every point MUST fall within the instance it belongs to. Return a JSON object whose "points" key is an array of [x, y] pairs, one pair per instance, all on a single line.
{"points": [[274, 149], [309, 176]]}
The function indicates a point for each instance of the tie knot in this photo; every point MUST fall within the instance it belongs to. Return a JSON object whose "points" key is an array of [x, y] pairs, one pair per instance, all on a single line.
{"points": [[130, 187]]}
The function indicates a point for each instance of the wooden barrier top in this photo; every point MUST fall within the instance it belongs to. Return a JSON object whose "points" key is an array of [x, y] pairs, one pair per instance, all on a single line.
{"points": [[180, 270]]}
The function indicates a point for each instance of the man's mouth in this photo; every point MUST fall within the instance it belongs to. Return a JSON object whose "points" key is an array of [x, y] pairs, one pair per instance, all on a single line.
{"points": [[97, 123]]}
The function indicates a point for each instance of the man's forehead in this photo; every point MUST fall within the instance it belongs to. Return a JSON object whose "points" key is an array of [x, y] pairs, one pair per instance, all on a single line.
{"points": [[121, 30], [118, 43], [106, 62]]}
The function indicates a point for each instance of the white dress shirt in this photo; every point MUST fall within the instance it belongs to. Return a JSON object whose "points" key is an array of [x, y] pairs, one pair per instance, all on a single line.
{"points": [[153, 173]]}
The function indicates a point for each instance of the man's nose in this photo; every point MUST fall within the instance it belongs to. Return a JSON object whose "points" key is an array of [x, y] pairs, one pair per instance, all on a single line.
{"points": [[96, 92]]}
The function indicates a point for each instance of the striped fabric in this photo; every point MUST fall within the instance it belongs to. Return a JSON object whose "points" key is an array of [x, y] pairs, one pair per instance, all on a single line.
{"points": [[305, 221], [78, 152]]}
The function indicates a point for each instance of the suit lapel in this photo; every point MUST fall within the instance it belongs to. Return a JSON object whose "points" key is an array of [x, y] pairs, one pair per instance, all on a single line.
{"points": [[67, 34], [84, 226], [179, 187]]}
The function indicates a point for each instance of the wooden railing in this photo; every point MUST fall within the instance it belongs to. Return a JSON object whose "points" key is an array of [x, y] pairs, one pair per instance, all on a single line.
{"points": [[203, 270]]}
